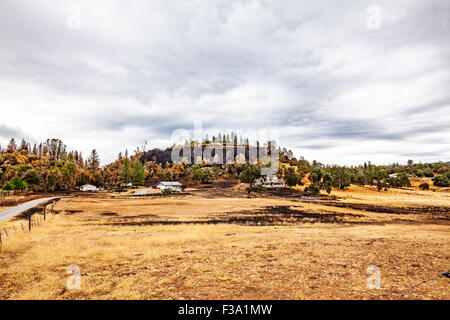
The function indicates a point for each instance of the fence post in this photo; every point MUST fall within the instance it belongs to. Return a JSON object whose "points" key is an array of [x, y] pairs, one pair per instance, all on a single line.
{"points": [[22, 227], [1, 244], [6, 232], [29, 222], [45, 210]]}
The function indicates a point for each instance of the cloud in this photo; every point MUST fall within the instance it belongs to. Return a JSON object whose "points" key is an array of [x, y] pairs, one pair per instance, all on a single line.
{"points": [[336, 91], [7, 132]]}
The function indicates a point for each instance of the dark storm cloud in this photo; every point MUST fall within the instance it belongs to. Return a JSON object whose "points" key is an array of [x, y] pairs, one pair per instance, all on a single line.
{"points": [[7, 132]]}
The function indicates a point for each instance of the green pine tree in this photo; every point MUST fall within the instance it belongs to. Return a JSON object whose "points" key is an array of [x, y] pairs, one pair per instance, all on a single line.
{"points": [[126, 171], [138, 173]]}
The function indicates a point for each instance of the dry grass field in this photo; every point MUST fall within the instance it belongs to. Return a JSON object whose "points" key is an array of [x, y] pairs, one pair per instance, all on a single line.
{"points": [[214, 243]]}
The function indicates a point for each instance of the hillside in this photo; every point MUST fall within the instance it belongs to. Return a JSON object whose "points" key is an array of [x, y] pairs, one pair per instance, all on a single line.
{"points": [[49, 166]]}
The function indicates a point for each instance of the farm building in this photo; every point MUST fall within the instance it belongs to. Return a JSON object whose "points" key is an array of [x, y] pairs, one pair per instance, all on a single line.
{"points": [[270, 182], [169, 186], [88, 187]]}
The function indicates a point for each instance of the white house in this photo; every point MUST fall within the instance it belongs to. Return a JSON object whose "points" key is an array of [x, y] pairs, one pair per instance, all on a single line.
{"points": [[270, 182], [170, 186], [88, 187]]}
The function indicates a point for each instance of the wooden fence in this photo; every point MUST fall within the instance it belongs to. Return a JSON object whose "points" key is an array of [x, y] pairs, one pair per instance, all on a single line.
{"points": [[32, 222]]}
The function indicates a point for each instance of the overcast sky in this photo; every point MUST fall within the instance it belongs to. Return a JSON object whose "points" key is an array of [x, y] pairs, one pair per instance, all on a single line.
{"points": [[340, 85]]}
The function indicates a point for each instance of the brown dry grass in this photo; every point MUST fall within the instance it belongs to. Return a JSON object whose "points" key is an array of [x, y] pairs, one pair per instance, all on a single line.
{"points": [[13, 200], [198, 247], [397, 197]]}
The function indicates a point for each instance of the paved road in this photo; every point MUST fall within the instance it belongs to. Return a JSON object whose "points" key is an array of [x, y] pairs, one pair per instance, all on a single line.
{"points": [[11, 212]]}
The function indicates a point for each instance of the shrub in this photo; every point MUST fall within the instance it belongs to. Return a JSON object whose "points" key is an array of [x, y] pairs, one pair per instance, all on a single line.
{"points": [[418, 173], [31, 177], [15, 184], [428, 173], [424, 186], [249, 174], [312, 189], [52, 179], [447, 175], [403, 180], [19, 184], [204, 175], [400, 181], [291, 177], [257, 189], [8, 186], [441, 181]]}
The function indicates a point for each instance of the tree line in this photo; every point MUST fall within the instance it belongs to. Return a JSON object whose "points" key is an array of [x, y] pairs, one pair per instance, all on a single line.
{"points": [[50, 166]]}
